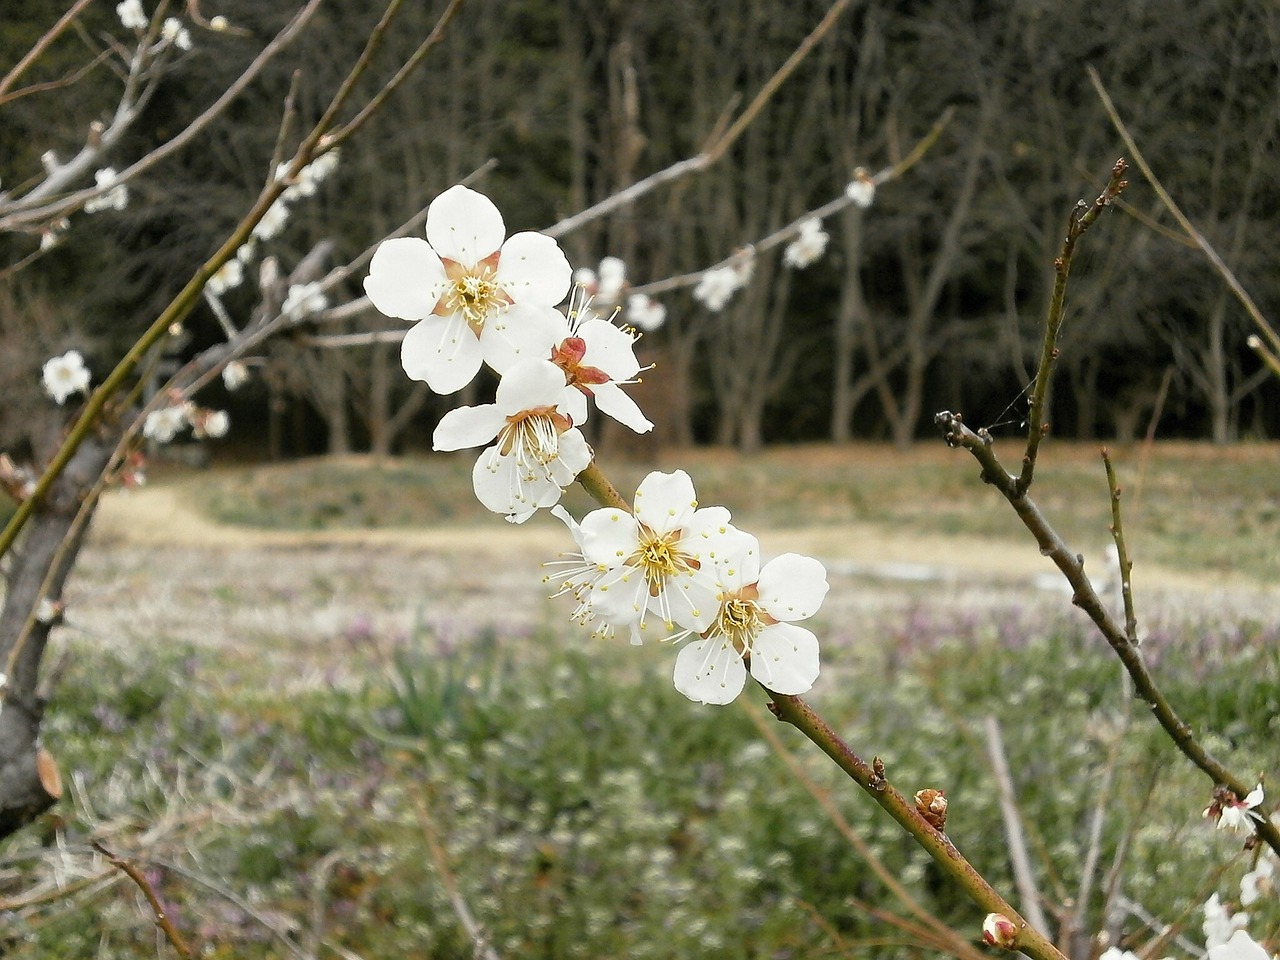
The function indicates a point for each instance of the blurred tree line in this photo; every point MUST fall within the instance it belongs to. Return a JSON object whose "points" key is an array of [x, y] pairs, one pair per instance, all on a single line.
{"points": [[932, 298]]}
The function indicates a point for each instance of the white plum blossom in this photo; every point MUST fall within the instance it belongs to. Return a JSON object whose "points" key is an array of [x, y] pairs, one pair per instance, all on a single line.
{"points": [[716, 287], [611, 278], [302, 300], [219, 23], [173, 31], [538, 450], [210, 423], [131, 15], [163, 425], [645, 313], [578, 576], [1259, 881], [1219, 923], [309, 177], [273, 221], [597, 357], [65, 375], [861, 189], [754, 626], [228, 276], [657, 560], [474, 297], [234, 375], [808, 245], [720, 283], [117, 198], [1235, 815], [1241, 946]]}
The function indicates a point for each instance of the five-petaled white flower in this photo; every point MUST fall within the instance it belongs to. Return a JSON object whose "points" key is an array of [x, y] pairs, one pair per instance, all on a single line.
{"points": [[65, 375], [475, 297], [596, 357], [645, 313], [163, 425], [861, 189], [1233, 814], [658, 560], [538, 451], [754, 626], [807, 246], [131, 14], [1220, 924]]}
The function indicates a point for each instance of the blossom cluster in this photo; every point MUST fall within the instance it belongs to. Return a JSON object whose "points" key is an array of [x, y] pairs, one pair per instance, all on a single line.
{"points": [[479, 298], [674, 570]]}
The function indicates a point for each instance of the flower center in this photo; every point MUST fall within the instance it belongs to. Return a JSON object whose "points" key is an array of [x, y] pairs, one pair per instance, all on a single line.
{"points": [[472, 291], [659, 557], [740, 620], [533, 437]]}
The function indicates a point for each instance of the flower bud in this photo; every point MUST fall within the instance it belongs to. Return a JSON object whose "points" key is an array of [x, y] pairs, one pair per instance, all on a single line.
{"points": [[999, 931], [932, 805]]}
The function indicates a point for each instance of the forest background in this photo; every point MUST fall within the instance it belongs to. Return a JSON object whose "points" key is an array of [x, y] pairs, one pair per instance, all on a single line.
{"points": [[933, 298]]}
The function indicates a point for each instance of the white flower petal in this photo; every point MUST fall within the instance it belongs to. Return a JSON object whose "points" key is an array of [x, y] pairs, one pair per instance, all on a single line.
{"points": [[692, 600], [521, 332], [533, 269], [613, 402], [467, 427], [406, 279], [665, 501], [465, 226], [792, 587], [738, 560], [784, 658], [609, 348], [443, 351], [620, 595], [530, 384], [575, 456], [710, 671], [609, 536], [573, 404]]}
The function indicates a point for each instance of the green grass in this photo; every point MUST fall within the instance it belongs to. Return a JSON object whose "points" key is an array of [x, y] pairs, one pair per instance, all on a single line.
{"points": [[587, 810], [1187, 506]]}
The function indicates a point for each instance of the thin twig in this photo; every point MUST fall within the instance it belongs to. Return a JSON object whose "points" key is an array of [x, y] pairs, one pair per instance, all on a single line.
{"points": [[40, 46], [157, 908], [1122, 550], [1082, 217], [1224, 271], [1085, 596], [715, 149], [1016, 842]]}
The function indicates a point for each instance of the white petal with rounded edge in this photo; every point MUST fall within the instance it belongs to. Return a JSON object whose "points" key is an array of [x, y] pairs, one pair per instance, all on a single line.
{"points": [[614, 403], [784, 658], [406, 279], [610, 349], [738, 562], [502, 486], [521, 332], [710, 671], [529, 384], [533, 269], [705, 533], [609, 536], [465, 226], [620, 595], [467, 427], [792, 587], [443, 351], [665, 501], [1241, 946], [575, 454], [573, 404]]}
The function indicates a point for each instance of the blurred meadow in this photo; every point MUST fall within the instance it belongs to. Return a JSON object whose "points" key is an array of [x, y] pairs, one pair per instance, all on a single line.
{"points": [[330, 702]]}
